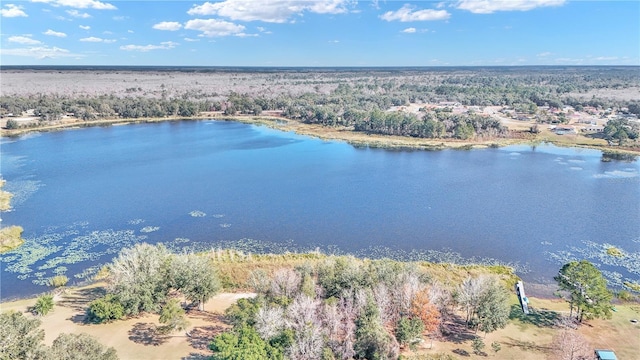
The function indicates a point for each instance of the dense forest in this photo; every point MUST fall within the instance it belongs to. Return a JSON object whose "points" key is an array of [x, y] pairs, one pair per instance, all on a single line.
{"points": [[361, 100]]}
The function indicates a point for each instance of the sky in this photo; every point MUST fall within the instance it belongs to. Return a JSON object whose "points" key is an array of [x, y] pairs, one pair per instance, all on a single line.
{"points": [[320, 32]]}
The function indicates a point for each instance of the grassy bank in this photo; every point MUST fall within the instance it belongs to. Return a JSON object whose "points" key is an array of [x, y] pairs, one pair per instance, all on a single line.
{"points": [[346, 134], [235, 267]]}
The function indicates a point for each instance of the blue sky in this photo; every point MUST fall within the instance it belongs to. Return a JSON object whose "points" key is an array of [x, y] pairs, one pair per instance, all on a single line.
{"points": [[320, 32]]}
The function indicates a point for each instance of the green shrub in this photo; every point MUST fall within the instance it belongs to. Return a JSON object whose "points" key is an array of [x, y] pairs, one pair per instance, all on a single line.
{"points": [[105, 309], [43, 305], [477, 345], [409, 331], [243, 312], [12, 124]]}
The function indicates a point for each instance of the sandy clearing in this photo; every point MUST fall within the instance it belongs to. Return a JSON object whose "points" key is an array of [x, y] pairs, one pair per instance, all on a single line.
{"points": [[135, 338]]}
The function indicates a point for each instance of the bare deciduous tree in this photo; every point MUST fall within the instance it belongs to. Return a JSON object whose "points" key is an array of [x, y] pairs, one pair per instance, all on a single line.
{"points": [[286, 282], [470, 293], [270, 321], [570, 345]]}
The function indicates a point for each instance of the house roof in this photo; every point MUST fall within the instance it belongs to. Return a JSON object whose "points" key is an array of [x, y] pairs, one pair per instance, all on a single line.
{"points": [[606, 355]]}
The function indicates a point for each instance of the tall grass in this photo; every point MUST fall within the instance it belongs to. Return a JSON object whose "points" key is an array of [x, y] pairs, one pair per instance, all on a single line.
{"points": [[58, 281]]}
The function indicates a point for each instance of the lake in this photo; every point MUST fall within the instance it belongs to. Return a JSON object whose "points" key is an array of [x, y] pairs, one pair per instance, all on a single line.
{"points": [[82, 195]]}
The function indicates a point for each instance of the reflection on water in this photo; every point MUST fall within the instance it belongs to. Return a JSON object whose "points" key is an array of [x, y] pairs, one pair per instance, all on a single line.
{"points": [[83, 195]]}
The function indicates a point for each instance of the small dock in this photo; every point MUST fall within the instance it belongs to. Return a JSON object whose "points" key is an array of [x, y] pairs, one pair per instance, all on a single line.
{"points": [[524, 302]]}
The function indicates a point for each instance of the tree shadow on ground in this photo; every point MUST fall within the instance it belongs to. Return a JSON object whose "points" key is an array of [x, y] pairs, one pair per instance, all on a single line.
{"points": [[206, 316], [461, 352], [196, 356], [525, 345], [455, 330], [79, 300], [200, 337], [540, 318], [147, 334], [79, 319]]}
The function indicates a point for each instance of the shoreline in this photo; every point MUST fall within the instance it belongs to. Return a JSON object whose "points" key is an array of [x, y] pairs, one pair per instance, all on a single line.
{"points": [[357, 139]]}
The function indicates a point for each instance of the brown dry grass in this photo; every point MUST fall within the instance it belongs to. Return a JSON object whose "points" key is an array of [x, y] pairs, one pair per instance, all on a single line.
{"points": [[530, 339]]}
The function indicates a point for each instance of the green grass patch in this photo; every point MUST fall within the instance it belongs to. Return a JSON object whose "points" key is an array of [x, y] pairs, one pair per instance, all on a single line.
{"points": [[10, 238], [615, 252]]}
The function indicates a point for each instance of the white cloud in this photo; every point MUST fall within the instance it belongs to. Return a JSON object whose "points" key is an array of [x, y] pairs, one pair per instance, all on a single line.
{"points": [[80, 4], [97, 39], [12, 10], [168, 25], [214, 27], [268, 10], [491, 6], [406, 14], [78, 14], [191, 40], [167, 45], [263, 30], [54, 33], [543, 54], [39, 52], [23, 40], [606, 58], [410, 30], [85, 27]]}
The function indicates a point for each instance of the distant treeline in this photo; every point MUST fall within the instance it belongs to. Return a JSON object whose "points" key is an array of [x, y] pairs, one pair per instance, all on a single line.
{"points": [[361, 100]]}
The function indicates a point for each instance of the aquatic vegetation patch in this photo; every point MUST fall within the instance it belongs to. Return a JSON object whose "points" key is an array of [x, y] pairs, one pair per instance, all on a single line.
{"points": [[444, 256], [614, 251], [148, 229], [633, 286], [47, 255], [218, 216], [225, 225], [10, 238], [60, 270], [135, 221], [88, 272], [197, 213], [618, 174], [22, 189], [616, 264]]}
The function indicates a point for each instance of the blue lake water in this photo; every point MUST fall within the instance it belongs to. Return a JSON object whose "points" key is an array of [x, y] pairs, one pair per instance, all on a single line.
{"points": [[81, 195]]}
